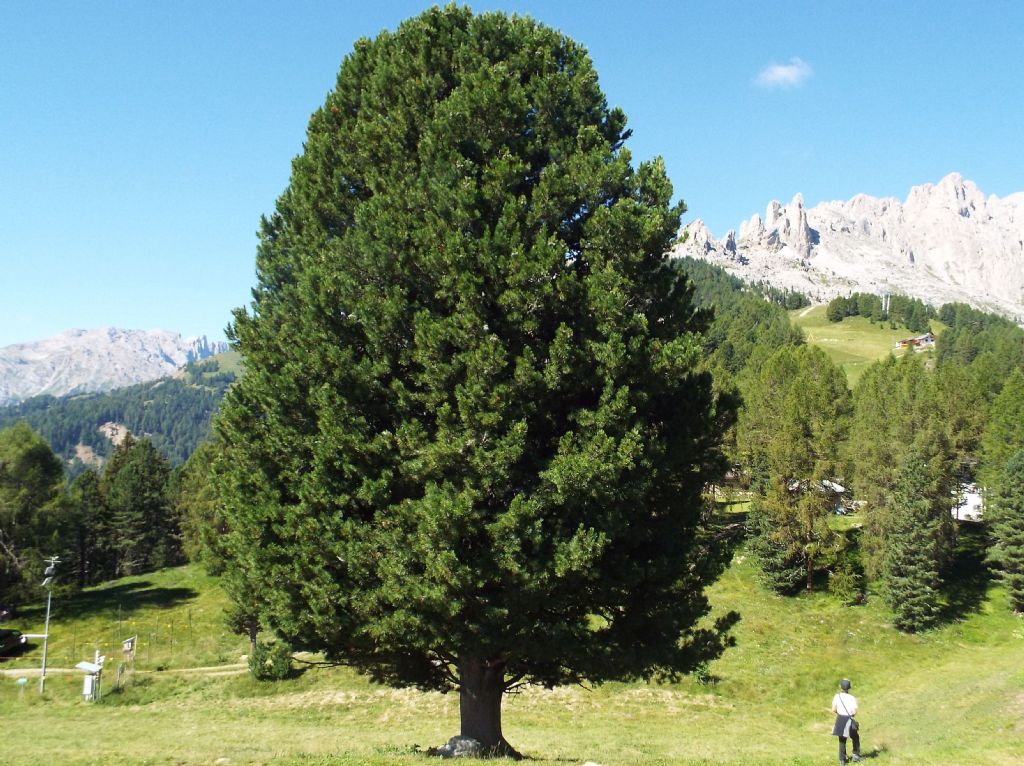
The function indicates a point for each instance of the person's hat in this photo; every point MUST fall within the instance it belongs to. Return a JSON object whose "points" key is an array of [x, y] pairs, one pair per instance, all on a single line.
{"points": [[845, 684]]}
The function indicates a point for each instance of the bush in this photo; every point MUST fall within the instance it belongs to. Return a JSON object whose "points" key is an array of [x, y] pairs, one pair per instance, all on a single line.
{"points": [[846, 582], [270, 661]]}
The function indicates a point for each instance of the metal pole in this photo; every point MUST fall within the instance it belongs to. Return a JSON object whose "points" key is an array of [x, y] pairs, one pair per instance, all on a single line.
{"points": [[46, 639], [49, 574]]}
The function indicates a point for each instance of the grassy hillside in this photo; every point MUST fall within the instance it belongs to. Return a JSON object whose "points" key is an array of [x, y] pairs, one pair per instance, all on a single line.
{"points": [[767, 702], [230, 362], [853, 343], [176, 614]]}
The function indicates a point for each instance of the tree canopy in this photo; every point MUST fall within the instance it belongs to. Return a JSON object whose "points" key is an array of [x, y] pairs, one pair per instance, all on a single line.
{"points": [[31, 479], [1007, 512], [470, 444], [912, 555], [1004, 433], [790, 433]]}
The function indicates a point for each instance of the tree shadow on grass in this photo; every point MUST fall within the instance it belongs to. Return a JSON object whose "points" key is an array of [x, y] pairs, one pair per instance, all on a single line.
{"points": [[15, 652], [967, 579], [126, 597], [729, 527], [874, 752]]}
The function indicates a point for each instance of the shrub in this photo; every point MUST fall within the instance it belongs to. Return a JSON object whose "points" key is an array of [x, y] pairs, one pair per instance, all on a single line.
{"points": [[270, 661]]}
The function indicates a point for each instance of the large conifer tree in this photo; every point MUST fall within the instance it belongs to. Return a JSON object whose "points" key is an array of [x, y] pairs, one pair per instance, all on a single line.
{"points": [[790, 434], [896, 409], [143, 531], [94, 557], [1006, 511], [1004, 434], [31, 478], [913, 551], [470, 444]]}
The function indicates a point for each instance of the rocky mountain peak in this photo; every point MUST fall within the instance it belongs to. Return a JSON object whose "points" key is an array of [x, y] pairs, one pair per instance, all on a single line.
{"points": [[100, 359], [945, 242]]}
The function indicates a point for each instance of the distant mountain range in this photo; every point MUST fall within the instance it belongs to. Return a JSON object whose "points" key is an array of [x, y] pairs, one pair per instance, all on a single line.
{"points": [[173, 412], [945, 243], [85, 361]]}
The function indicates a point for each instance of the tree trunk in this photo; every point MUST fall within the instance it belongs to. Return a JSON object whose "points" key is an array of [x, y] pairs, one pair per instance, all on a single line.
{"points": [[810, 573], [481, 688]]}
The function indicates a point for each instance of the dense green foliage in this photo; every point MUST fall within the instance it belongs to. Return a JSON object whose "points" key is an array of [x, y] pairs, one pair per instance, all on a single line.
{"points": [[1007, 514], [101, 526], [471, 440], [914, 534], [174, 413], [1004, 432], [789, 436], [32, 509], [270, 661], [92, 556], [196, 508], [783, 297], [144, 533], [123, 520], [896, 409], [745, 321], [987, 341], [902, 310]]}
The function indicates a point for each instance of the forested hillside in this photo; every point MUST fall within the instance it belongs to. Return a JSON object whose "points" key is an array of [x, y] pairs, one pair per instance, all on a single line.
{"points": [[174, 413], [901, 442], [745, 317]]}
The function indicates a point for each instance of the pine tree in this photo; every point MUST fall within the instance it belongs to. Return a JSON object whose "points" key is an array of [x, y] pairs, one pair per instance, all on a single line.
{"points": [[782, 567], [470, 444], [961, 409], [912, 556], [1006, 512], [31, 508], [895, 408], [790, 432]]}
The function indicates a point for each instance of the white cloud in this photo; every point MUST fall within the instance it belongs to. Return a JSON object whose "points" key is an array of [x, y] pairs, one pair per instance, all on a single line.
{"points": [[788, 75]]}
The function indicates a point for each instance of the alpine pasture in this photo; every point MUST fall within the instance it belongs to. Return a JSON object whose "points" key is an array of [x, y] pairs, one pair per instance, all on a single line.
{"points": [[766, 701]]}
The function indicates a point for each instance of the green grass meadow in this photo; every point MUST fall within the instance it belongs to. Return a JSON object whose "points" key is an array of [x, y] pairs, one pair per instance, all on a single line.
{"points": [[953, 696], [853, 344]]}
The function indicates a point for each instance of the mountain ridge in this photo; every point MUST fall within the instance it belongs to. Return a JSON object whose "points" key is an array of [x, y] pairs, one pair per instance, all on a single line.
{"points": [[96, 360], [947, 242]]}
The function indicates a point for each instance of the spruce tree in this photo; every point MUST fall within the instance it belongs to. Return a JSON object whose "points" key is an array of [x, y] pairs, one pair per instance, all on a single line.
{"points": [[93, 559], [196, 510], [144, 536], [470, 444], [1004, 433], [782, 567], [1006, 513], [912, 556]]}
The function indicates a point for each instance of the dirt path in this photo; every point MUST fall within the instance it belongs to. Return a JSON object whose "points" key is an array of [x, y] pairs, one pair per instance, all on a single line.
{"points": [[808, 310]]}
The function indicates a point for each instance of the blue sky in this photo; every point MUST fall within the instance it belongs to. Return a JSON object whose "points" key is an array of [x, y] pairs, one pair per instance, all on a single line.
{"points": [[141, 142]]}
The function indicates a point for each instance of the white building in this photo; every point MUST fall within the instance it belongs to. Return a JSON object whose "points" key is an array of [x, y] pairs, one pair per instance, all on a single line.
{"points": [[969, 505]]}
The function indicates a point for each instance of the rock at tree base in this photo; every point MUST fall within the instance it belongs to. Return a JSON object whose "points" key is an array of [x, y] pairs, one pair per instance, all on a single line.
{"points": [[458, 747]]}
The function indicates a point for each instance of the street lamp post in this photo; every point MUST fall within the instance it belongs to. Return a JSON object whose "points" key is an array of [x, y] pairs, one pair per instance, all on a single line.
{"points": [[51, 570]]}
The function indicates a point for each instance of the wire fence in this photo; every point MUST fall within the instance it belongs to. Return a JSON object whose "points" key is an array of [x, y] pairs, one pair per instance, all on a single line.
{"points": [[165, 640]]}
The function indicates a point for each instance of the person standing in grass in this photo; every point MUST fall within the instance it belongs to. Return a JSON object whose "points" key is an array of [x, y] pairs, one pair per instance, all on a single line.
{"points": [[844, 705]]}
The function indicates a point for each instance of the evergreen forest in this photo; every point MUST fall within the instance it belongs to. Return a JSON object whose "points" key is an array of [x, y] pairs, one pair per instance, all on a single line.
{"points": [[902, 445], [173, 413]]}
